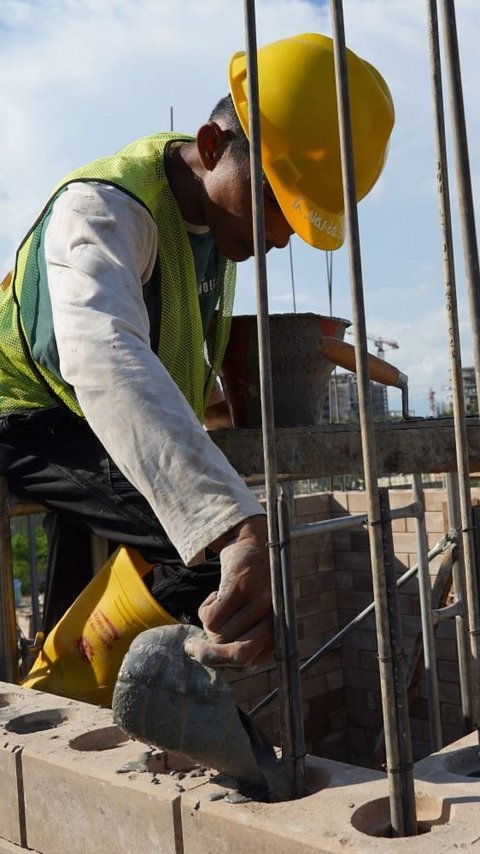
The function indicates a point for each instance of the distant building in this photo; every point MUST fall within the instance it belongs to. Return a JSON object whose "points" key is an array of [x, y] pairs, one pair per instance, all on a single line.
{"points": [[341, 403], [469, 392]]}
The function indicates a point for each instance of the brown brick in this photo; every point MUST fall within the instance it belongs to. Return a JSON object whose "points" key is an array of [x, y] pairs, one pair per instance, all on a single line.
{"points": [[334, 680], [328, 702], [368, 660], [399, 525], [313, 687], [305, 566], [434, 499], [319, 544], [405, 543], [362, 581], [446, 649], [352, 560], [449, 692], [344, 579], [320, 624], [319, 583], [362, 679], [312, 505], [359, 541], [448, 671], [451, 714], [354, 599], [316, 604], [252, 686], [341, 541], [357, 502], [338, 501]]}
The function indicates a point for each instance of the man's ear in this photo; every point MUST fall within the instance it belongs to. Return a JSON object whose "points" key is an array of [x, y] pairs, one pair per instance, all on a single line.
{"points": [[211, 143]]}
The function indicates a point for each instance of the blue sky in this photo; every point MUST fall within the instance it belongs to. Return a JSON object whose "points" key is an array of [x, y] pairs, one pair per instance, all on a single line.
{"points": [[80, 79]]}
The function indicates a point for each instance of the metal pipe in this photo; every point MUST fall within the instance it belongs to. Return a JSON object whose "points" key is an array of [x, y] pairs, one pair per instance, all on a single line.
{"points": [[400, 818], [8, 620], [458, 579], [347, 522], [297, 759], [473, 282], [425, 592], [265, 373], [437, 549]]}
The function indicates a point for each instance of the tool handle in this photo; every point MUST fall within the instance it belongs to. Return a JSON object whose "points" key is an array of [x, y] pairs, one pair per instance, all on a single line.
{"points": [[343, 354]]}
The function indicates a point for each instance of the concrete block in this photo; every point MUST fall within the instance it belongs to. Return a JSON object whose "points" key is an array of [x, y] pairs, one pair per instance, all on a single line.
{"points": [[10, 848], [72, 796], [96, 811], [12, 819], [317, 823]]}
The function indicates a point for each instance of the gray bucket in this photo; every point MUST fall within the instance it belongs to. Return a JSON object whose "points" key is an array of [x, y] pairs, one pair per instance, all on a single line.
{"points": [[300, 374]]}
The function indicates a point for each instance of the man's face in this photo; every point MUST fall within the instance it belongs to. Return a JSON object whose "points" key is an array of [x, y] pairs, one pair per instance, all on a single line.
{"points": [[228, 210]]}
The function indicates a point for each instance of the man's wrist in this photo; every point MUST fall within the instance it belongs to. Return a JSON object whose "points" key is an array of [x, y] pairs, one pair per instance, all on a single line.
{"points": [[253, 527]]}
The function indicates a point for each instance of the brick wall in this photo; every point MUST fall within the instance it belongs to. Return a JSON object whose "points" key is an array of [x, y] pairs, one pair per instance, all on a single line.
{"points": [[341, 692], [317, 620], [359, 650]]}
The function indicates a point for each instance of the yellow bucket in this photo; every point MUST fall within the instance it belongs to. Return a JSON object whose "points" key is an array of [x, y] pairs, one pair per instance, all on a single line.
{"points": [[81, 656]]}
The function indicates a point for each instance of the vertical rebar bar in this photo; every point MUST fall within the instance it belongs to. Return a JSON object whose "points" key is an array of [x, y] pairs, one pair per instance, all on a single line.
{"points": [[8, 621], [265, 372], [425, 591], [458, 578], [294, 682], [464, 181], [402, 819], [467, 219]]}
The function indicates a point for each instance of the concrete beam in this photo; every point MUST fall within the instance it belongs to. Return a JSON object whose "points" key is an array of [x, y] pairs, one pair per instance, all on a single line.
{"points": [[403, 447]]}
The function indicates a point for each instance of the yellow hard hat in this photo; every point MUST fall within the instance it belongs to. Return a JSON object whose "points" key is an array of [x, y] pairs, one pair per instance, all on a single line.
{"points": [[300, 135]]}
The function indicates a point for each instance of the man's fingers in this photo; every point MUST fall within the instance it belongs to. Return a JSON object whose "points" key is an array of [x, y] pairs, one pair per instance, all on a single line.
{"points": [[241, 621], [254, 648]]}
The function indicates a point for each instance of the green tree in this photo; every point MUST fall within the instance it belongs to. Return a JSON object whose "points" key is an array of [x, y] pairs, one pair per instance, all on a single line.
{"points": [[21, 566]]}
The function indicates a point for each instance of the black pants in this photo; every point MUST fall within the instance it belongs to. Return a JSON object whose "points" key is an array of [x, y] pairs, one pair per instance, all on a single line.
{"points": [[52, 457]]}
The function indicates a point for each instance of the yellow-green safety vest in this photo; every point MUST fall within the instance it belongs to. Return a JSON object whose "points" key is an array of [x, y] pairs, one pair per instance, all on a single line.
{"points": [[29, 373]]}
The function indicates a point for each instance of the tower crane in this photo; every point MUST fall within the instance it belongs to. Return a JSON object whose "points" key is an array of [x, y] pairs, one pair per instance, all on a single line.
{"points": [[381, 343]]}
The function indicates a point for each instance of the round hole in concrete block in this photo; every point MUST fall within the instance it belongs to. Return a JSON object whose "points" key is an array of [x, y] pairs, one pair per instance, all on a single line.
{"points": [[7, 700], [37, 721], [107, 738], [464, 762], [373, 818]]}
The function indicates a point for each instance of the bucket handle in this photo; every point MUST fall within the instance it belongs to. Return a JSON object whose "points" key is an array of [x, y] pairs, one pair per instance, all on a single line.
{"points": [[343, 354]]}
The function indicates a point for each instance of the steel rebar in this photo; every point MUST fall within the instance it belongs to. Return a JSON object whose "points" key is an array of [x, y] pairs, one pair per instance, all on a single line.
{"points": [[473, 282], [458, 579], [400, 816], [404, 821], [425, 593], [266, 386], [294, 681]]}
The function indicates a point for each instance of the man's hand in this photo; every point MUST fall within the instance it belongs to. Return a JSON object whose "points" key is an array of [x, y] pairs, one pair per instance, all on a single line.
{"points": [[238, 616]]}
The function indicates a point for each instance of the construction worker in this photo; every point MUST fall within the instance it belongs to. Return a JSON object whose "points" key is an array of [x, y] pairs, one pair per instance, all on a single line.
{"points": [[104, 384]]}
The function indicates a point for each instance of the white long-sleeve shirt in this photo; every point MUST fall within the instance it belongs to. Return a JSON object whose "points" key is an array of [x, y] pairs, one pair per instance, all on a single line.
{"points": [[100, 248]]}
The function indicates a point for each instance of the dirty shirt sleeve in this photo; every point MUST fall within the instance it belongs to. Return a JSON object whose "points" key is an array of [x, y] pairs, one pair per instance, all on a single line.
{"points": [[100, 248]]}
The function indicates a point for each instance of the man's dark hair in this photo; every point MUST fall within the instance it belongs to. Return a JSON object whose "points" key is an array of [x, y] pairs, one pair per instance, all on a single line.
{"points": [[225, 113]]}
